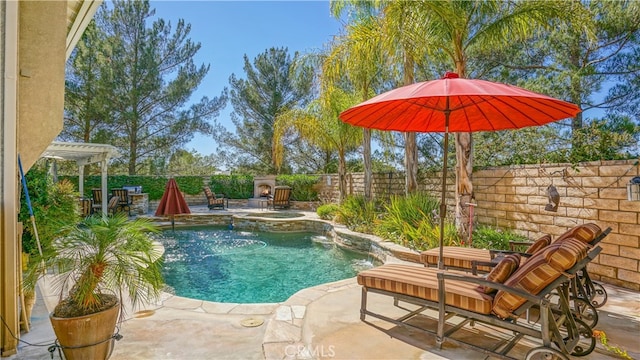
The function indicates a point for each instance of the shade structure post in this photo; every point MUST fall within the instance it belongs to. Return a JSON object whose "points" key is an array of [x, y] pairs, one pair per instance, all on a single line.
{"points": [[81, 180], [103, 187]]}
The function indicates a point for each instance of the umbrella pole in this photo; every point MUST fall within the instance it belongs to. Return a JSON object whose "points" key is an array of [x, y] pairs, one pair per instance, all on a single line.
{"points": [[443, 205]]}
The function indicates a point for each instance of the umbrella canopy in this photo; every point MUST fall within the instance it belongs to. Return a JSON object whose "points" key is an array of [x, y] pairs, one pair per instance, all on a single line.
{"points": [[468, 105], [452, 104], [172, 202]]}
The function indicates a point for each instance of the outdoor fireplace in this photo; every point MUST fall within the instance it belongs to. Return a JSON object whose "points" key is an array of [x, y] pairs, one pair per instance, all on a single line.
{"points": [[263, 185], [262, 188]]}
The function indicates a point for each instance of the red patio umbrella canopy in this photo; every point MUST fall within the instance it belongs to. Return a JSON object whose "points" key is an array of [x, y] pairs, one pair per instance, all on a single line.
{"points": [[172, 202], [472, 105], [452, 104]]}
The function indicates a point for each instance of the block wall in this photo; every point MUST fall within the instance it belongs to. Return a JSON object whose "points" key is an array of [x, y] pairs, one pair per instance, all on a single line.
{"points": [[515, 197]]}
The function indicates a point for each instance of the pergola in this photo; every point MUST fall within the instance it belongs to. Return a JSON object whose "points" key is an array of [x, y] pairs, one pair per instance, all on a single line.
{"points": [[84, 154]]}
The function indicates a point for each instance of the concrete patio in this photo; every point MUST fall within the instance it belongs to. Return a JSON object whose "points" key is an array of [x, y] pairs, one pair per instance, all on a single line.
{"points": [[315, 323]]}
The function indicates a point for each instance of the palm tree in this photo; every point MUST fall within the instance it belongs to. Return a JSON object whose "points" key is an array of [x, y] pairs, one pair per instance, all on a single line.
{"points": [[457, 29], [397, 40], [102, 256], [401, 54], [319, 124], [451, 31], [357, 57]]}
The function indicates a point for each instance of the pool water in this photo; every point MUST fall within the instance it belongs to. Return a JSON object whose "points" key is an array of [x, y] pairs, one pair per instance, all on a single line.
{"points": [[222, 265]]}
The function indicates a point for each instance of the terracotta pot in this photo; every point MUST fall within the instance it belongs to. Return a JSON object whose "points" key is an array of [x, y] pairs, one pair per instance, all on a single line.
{"points": [[87, 337]]}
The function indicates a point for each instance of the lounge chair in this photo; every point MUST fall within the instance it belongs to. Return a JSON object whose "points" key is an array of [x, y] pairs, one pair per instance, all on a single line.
{"points": [[213, 201], [124, 200], [586, 294], [462, 258], [281, 198], [442, 303]]}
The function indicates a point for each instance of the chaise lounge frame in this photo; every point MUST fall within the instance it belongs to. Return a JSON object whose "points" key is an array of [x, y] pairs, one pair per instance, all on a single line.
{"points": [[582, 286], [553, 317]]}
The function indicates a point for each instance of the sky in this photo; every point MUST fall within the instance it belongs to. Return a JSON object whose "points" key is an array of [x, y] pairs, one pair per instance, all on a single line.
{"points": [[227, 30]]}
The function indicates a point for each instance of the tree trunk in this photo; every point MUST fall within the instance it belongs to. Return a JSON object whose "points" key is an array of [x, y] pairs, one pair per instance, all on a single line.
{"points": [[464, 185], [410, 162], [464, 163], [366, 156], [132, 157], [342, 176], [410, 146]]}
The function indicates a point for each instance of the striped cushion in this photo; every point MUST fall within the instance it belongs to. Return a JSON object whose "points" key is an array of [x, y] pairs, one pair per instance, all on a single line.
{"points": [[457, 257], [585, 232], [422, 283], [501, 272], [536, 273], [567, 253], [539, 244]]}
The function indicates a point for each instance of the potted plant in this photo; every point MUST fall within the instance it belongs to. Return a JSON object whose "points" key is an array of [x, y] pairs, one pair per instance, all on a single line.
{"points": [[98, 264], [54, 206]]}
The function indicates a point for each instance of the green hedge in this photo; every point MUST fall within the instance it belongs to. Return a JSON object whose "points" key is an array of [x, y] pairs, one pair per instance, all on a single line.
{"points": [[302, 186], [233, 186], [153, 185]]}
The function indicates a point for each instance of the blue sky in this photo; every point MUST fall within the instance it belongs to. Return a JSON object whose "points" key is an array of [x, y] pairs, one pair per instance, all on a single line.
{"points": [[227, 30]]}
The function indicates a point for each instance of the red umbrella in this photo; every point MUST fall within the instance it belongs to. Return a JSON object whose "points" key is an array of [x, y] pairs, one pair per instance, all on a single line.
{"points": [[452, 104], [172, 202]]}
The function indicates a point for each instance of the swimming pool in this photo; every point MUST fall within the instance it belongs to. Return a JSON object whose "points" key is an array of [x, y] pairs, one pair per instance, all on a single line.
{"points": [[223, 265]]}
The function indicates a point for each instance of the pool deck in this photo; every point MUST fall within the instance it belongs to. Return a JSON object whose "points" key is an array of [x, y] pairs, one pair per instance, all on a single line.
{"points": [[321, 322]]}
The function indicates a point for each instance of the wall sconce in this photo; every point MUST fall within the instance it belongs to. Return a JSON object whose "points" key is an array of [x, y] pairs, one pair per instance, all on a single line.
{"points": [[633, 189], [554, 199]]}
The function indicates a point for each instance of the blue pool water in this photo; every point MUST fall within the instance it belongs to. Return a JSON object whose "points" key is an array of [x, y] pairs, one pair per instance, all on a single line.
{"points": [[218, 264]]}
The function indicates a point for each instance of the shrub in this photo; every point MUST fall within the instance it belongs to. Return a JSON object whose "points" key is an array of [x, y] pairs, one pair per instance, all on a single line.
{"points": [[426, 235], [327, 211], [54, 205], [357, 214], [487, 237], [404, 213]]}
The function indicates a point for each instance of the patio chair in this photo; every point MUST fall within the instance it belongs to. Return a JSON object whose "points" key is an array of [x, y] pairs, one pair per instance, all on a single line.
{"points": [[215, 201], [281, 198], [445, 303], [85, 207], [96, 200], [112, 205], [124, 200]]}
